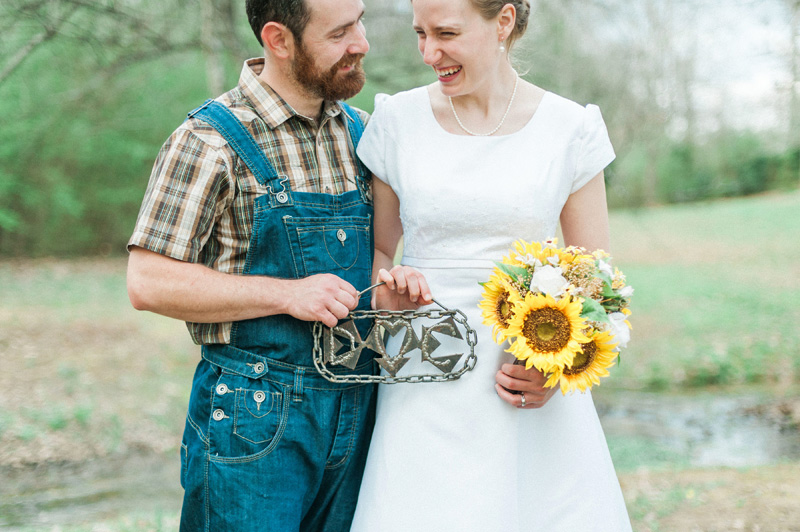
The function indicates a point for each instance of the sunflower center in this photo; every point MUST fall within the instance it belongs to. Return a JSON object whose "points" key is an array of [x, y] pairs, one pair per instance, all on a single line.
{"points": [[503, 309], [546, 330], [582, 360]]}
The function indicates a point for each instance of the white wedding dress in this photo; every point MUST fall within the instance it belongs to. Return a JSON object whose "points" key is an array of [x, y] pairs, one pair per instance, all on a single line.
{"points": [[453, 456]]}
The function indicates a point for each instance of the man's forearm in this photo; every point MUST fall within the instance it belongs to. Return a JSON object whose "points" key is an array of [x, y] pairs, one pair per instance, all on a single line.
{"points": [[193, 292], [196, 293]]}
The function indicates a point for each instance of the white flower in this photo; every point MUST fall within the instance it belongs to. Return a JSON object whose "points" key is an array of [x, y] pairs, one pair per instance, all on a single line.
{"points": [[530, 260], [548, 280], [554, 260], [627, 291], [605, 267], [622, 334]]}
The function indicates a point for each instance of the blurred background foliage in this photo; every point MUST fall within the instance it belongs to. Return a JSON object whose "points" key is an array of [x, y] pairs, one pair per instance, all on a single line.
{"points": [[89, 89]]}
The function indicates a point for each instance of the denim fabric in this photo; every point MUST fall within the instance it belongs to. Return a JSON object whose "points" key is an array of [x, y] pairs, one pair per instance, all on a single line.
{"points": [[269, 444]]}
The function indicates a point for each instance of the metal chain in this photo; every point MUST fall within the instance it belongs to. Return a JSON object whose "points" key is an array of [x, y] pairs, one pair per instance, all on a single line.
{"points": [[436, 314]]}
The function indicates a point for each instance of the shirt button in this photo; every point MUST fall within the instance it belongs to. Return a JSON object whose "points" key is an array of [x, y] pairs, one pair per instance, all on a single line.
{"points": [[218, 415], [258, 367], [341, 235], [222, 389], [259, 396], [282, 197]]}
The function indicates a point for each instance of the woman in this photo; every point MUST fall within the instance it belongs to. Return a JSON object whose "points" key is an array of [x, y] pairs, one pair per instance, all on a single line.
{"points": [[464, 167]]}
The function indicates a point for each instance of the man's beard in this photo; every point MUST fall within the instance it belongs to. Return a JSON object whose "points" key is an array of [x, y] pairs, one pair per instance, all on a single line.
{"points": [[330, 84]]}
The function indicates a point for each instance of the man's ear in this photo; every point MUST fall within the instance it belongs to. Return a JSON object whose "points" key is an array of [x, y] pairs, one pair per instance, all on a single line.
{"points": [[278, 40]]}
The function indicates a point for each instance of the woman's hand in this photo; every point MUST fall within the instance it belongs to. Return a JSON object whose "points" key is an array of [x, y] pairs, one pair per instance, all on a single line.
{"points": [[405, 289], [528, 383]]}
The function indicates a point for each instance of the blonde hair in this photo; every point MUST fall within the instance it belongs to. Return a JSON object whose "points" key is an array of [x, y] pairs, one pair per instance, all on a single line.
{"points": [[491, 8]]}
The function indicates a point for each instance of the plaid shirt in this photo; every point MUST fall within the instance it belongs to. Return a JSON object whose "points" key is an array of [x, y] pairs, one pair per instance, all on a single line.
{"points": [[199, 201]]}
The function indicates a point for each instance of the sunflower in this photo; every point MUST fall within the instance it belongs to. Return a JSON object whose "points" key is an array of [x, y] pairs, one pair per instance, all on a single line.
{"points": [[547, 332], [588, 365], [497, 303]]}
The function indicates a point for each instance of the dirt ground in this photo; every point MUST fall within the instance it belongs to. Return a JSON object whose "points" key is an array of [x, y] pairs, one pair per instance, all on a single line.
{"points": [[763, 499]]}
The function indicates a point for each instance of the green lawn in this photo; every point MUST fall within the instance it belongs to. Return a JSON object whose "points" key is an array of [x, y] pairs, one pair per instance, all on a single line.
{"points": [[717, 286]]}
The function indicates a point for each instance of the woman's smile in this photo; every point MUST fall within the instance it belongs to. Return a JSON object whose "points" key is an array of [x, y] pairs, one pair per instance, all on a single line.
{"points": [[448, 73]]}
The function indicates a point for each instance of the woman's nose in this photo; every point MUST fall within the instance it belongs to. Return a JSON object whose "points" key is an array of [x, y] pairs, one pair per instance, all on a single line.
{"points": [[430, 52]]}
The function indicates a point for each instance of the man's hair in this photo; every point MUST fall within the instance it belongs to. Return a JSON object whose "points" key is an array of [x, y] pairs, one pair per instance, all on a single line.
{"points": [[293, 14]]}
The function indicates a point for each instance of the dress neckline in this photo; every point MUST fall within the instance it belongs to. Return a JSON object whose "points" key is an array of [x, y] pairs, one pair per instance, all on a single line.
{"points": [[528, 124]]}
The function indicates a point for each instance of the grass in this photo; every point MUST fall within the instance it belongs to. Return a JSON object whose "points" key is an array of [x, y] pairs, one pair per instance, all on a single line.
{"points": [[717, 286]]}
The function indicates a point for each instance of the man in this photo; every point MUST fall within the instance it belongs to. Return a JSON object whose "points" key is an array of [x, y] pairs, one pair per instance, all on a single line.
{"points": [[257, 222]]}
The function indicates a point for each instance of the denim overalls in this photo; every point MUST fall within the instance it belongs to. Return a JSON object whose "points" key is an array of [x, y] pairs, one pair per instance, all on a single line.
{"points": [[269, 444]]}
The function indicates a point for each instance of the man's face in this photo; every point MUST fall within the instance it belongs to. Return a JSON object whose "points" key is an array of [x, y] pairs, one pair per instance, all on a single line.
{"points": [[328, 59]]}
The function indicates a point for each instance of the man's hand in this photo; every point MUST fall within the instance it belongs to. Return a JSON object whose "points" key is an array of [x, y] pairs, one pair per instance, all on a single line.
{"points": [[513, 378], [325, 297]]}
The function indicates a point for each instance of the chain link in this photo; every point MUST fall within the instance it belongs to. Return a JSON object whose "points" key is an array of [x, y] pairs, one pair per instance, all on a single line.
{"points": [[471, 338]]}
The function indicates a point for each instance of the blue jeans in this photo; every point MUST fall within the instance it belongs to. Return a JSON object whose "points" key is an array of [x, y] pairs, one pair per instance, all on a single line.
{"points": [[249, 463]]}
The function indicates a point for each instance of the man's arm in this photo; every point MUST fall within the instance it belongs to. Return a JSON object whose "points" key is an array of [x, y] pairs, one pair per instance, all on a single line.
{"points": [[193, 292]]}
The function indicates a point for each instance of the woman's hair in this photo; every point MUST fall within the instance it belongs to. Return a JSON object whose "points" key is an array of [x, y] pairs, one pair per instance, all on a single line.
{"points": [[491, 8], [291, 13]]}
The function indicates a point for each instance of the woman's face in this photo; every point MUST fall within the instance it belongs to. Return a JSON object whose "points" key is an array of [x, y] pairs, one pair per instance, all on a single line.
{"points": [[460, 45]]}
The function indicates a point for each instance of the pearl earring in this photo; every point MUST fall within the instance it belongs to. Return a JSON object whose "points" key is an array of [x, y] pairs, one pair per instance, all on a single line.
{"points": [[502, 47]]}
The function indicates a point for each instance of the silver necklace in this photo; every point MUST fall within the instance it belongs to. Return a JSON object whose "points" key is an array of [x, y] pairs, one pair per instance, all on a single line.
{"points": [[492, 132]]}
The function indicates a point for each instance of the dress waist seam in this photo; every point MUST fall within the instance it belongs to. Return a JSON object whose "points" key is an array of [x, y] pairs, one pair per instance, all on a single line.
{"points": [[447, 263]]}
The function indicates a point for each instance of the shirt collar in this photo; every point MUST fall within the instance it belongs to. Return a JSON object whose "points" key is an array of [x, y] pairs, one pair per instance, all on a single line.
{"points": [[273, 109]]}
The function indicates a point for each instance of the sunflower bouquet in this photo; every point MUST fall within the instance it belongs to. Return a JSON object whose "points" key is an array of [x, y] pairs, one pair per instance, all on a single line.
{"points": [[563, 310]]}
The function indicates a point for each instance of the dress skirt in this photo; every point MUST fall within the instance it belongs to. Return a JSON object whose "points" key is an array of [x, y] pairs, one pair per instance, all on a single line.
{"points": [[452, 456]]}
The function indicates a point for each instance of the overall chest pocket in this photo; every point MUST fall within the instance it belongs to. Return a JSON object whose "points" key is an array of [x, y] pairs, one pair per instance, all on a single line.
{"points": [[339, 245]]}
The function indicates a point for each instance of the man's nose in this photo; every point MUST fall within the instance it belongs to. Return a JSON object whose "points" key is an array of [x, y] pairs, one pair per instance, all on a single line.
{"points": [[360, 45]]}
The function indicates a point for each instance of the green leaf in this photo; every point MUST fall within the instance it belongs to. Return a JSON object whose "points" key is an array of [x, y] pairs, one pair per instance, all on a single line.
{"points": [[605, 277], [594, 311], [518, 273], [608, 292]]}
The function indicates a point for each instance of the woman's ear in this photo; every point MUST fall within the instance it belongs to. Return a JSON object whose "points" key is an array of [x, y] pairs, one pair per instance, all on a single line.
{"points": [[278, 40], [506, 21]]}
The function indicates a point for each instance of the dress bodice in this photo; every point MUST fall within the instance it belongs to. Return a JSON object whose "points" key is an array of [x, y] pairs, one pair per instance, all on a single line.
{"points": [[466, 198]]}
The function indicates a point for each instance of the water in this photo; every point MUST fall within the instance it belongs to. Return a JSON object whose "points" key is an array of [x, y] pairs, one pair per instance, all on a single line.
{"points": [[697, 431], [93, 491], [643, 430]]}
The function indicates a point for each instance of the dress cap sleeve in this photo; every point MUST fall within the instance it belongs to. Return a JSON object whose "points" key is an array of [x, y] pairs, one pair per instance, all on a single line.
{"points": [[595, 151], [372, 148]]}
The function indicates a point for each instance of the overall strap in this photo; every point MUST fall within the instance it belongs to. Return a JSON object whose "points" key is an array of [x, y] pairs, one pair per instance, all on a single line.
{"points": [[356, 128], [225, 122]]}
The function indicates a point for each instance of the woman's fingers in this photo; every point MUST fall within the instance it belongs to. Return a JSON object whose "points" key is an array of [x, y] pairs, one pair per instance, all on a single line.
{"points": [[404, 288]]}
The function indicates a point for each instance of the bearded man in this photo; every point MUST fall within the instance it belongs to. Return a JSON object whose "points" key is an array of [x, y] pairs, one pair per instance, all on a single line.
{"points": [[255, 223]]}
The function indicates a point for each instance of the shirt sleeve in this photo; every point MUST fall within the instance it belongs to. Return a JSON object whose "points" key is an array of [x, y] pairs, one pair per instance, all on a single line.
{"points": [[595, 151], [372, 146], [189, 186]]}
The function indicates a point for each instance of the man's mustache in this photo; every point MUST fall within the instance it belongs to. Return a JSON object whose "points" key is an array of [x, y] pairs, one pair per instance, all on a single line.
{"points": [[349, 60]]}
